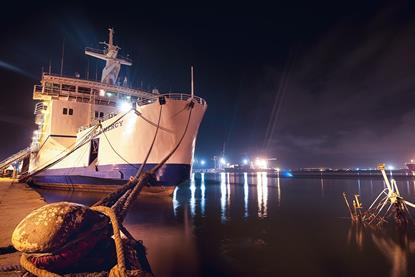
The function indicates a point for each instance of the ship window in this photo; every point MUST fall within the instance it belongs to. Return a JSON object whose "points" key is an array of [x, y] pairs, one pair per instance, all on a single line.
{"points": [[65, 111], [84, 90], [96, 114], [70, 111], [68, 88], [101, 114], [56, 87]]}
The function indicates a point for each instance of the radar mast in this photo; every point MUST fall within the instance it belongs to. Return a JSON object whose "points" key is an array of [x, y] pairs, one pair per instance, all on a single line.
{"points": [[113, 61]]}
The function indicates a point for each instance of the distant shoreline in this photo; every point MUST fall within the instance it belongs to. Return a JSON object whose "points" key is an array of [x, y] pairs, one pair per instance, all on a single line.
{"points": [[328, 173]]}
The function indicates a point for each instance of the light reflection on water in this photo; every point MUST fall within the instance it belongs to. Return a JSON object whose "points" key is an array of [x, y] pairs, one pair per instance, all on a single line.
{"points": [[246, 195], [222, 196], [262, 193], [202, 193], [225, 224]]}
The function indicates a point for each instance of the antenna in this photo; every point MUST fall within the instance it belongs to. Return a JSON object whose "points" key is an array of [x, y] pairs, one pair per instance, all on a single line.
{"points": [[111, 34], [63, 53], [96, 71], [192, 92], [87, 70]]}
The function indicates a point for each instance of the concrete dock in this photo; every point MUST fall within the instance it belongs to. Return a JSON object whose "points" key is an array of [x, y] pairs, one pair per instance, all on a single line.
{"points": [[16, 201]]}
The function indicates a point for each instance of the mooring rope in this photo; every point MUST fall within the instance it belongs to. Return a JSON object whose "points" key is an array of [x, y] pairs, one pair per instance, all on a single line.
{"points": [[148, 153], [11, 267], [117, 195], [87, 138], [140, 183], [122, 200], [54, 160]]}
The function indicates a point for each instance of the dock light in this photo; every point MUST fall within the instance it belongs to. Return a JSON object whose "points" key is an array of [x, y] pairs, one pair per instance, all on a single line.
{"points": [[222, 160], [391, 167], [101, 92], [261, 163], [245, 161], [202, 162], [125, 106]]}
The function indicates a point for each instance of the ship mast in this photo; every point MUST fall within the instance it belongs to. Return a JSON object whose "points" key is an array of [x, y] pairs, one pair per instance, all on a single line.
{"points": [[110, 55]]}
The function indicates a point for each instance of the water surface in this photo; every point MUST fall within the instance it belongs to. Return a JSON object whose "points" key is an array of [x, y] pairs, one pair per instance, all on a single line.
{"points": [[226, 224]]}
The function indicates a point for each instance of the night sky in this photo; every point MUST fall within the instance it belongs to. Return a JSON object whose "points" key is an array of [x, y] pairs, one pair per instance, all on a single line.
{"points": [[311, 83]]}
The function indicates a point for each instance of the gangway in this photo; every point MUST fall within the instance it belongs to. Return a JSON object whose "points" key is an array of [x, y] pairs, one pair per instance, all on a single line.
{"points": [[15, 158]]}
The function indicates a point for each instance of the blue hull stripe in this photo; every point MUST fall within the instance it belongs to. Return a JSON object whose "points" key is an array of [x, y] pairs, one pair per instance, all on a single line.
{"points": [[168, 175]]}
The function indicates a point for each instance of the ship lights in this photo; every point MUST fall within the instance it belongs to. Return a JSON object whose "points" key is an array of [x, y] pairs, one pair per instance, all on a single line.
{"points": [[245, 161], [125, 106], [202, 162], [261, 163], [36, 135], [102, 92], [222, 161]]}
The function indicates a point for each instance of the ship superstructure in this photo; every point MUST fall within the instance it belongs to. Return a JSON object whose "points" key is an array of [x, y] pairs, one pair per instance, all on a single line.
{"points": [[119, 123]]}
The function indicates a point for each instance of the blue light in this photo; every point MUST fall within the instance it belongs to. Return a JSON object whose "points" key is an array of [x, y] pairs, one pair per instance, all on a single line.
{"points": [[202, 162], [287, 174]]}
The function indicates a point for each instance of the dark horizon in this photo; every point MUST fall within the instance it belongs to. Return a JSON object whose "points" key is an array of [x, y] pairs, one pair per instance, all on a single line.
{"points": [[322, 84]]}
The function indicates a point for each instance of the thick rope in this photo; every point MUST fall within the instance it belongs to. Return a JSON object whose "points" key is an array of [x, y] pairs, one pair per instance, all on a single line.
{"points": [[151, 146], [116, 152], [113, 197], [143, 177], [157, 167], [87, 138], [56, 160], [10, 267], [117, 236], [29, 266], [120, 269]]}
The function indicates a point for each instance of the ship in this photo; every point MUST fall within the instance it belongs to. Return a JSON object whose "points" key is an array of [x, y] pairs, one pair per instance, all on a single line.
{"points": [[95, 135], [411, 166]]}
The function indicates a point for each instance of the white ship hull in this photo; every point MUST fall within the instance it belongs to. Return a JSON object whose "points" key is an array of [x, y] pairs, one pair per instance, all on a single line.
{"points": [[122, 148]]}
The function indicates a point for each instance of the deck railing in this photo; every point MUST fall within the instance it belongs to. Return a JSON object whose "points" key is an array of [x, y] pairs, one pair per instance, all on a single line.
{"points": [[142, 102], [173, 96]]}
